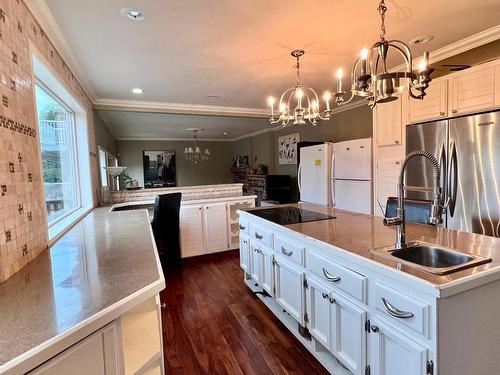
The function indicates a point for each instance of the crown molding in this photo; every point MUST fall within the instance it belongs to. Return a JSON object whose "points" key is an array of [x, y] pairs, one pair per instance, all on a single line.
{"points": [[458, 47], [175, 139], [43, 15], [178, 108]]}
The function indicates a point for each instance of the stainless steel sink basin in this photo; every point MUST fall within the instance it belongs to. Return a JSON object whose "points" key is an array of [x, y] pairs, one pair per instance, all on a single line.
{"points": [[434, 259]]}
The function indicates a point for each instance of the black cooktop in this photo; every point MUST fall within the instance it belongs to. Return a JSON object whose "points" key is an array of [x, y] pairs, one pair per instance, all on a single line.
{"points": [[290, 215]]}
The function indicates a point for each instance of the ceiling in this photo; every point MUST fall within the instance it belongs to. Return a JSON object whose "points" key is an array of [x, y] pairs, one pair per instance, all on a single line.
{"points": [[186, 50], [144, 125]]}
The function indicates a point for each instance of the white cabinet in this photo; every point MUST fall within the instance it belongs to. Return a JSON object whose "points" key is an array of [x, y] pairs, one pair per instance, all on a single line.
{"points": [[245, 260], [256, 260], [290, 291], [386, 181], [393, 353], [433, 106], [192, 233], [233, 225], [215, 228], [388, 123], [318, 311], [473, 89], [348, 334], [262, 270]]}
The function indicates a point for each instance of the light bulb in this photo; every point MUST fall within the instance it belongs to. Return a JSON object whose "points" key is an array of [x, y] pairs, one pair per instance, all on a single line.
{"points": [[422, 65], [364, 53], [270, 101], [340, 73], [299, 93], [283, 107], [327, 96]]}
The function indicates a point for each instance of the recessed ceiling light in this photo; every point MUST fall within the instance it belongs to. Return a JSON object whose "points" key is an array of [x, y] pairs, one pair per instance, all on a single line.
{"points": [[137, 90], [418, 40], [225, 133], [132, 13]]}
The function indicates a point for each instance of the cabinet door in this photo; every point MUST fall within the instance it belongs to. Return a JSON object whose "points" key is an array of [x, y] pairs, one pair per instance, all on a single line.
{"points": [[387, 175], [433, 106], [388, 123], [245, 254], [473, 89], [267, 271], [393, 353], [348, 334], [318, 310], [290, 291], [192, 237], [233, 225], [216, 227], [257, 262]]}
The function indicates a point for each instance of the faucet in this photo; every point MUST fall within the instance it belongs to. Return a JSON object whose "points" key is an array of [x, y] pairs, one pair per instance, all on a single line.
{"points": [[436, 208]]}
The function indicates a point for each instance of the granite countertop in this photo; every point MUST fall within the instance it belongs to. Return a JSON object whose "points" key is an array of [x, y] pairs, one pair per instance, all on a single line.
{"points": [[105, 263], [359, 234]]}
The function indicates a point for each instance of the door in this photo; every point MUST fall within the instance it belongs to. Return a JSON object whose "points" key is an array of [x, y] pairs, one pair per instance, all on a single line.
{"points": [[267, 271], [318, 310], [314, 174], [348, 334], [353, 195], [393, 353], [192, 234], [257, 262], [245, 254], [290, 291], [474, 174], [353, 159], [433, 138], [216, 227]]}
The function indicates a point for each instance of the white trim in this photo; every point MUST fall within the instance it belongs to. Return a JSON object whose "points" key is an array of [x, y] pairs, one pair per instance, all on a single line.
{"points": [[48, 23], [349, 106], [174, 139], [178, 108]]}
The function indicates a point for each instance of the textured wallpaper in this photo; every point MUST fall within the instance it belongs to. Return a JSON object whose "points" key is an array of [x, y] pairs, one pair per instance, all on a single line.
{"points": [[23, 224]]}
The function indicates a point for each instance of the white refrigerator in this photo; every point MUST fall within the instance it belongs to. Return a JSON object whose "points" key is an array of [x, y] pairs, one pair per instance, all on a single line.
{"points": [[352, 176], [314, 175]]}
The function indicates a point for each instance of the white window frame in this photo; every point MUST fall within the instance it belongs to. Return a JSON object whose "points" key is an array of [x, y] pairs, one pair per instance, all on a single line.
{"points": [[50, 79]]}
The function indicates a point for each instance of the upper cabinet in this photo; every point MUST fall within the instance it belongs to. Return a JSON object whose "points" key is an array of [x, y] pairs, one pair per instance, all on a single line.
{"points": [[433, 106], [473, 89], [387, 119]]}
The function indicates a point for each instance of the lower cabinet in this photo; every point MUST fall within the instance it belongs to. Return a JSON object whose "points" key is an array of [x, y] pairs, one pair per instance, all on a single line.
{"points": [[290, 291], [245, 261], [192, 236], [215, 227], [393, 353], [262, 267], [338, 325]]}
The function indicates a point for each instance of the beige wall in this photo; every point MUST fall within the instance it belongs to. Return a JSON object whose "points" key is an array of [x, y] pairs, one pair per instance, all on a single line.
{"points": [[103, 136], [216, 170], [23, 225]]}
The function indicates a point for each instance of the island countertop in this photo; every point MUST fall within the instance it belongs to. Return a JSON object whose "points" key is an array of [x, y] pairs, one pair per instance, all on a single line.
{"points": [[103, 266], [359, 234]]}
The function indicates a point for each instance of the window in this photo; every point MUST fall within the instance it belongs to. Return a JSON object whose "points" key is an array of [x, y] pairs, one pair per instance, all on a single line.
{"points": [[59, 155], [102, 165]]}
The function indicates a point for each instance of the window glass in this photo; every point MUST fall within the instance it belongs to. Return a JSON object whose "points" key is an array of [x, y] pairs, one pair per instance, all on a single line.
{"points": [[57, 139]]}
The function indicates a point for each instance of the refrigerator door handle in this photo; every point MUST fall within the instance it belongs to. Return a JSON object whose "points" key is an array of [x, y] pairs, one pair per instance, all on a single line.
{"points": [[444, 173], [332, 179], [299, 173], [453, 184]]}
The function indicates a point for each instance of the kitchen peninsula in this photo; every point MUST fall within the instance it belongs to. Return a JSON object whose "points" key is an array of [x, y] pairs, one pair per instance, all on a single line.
{"points": [[359, 311]]}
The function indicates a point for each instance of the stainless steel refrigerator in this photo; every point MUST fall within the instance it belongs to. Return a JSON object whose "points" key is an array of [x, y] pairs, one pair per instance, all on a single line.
{"points": [[469, 151]]}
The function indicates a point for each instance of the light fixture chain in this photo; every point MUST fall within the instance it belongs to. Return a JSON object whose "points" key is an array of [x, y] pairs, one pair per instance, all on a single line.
{"points": [[297, 66], [381, 10]]}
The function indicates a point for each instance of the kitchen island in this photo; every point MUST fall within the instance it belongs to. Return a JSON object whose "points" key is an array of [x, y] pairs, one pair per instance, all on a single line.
{"points": [[87, 305], [360, 311]]}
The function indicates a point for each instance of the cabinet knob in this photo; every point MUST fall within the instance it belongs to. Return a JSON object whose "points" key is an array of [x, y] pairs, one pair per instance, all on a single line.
{"points": [[454, 111], [374, 328], [163, 305], [332, 300], [441, 113], [324, 295], [396, 142], [242, 227], [397, 163]]}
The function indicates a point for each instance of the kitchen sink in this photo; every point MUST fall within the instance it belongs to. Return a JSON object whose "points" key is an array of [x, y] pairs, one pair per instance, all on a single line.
{"points": [[434, 259]]}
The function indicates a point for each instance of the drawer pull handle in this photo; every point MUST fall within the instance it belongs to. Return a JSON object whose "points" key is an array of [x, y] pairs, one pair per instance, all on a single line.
{"points": [[324, 295], [332, 300], [374, 328], [259, 236], [395, 312], [286, 252], [242, 227], [330, 277]]}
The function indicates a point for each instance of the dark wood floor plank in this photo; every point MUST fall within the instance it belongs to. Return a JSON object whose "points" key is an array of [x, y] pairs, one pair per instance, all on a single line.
{"points": [[213, 324]]}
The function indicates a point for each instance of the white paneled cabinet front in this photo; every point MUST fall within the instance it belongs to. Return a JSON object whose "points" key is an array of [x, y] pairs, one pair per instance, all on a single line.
{"points": [[393, 353], [318, 308], [216, 227], [290, 291], [245, 260], [192, 235]]}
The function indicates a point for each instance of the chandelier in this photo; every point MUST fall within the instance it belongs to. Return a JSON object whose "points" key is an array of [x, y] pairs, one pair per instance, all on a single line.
{"points": [[194, 154], [370, 78], [307, 106]]}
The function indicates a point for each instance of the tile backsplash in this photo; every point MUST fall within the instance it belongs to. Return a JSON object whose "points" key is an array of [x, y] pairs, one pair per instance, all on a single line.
{"points": [[23, 224]]}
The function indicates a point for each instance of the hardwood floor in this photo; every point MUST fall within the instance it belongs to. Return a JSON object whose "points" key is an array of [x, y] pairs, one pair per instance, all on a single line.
{"points": [[213, 324]]}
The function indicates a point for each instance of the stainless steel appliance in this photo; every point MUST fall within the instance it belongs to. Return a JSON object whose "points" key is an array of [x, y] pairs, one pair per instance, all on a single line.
{"points": [[469, 152]]}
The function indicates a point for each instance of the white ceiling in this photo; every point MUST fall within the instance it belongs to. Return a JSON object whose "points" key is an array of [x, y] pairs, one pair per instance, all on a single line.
{"points": [[239, 50], [143, 125]]}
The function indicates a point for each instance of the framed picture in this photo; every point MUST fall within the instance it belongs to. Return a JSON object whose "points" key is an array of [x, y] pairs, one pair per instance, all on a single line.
{"points": [[159, 169], [287, 148]]}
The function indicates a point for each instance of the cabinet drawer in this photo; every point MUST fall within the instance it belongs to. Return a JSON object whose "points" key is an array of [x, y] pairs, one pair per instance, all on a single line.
{"points": [[259, 234], [403, 308], [289, 250], [343, 278]]}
